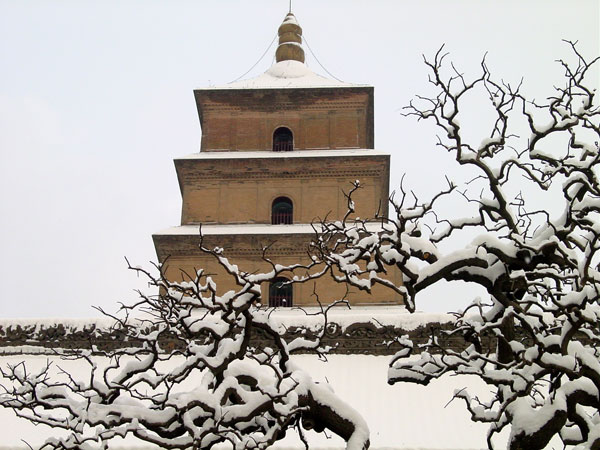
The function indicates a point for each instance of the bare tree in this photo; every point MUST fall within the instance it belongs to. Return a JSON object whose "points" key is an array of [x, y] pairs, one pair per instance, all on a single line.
{"points": [[539, 266], [538, 263], [212, 387]]}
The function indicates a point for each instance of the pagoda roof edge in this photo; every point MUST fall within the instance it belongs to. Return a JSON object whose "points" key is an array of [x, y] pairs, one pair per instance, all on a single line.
{"points": [[259, 154], [250, 229], [225, 88]]}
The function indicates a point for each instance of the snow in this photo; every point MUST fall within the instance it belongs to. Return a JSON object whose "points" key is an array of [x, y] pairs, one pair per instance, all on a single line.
{"points": [[286, 74], [399, 417], [396, 316], [275, 155], [77, 324], [252, 228], [290, 18]]}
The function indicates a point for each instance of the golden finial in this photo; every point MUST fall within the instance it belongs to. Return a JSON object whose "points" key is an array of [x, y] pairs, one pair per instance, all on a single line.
{"points": [[290, 40]]}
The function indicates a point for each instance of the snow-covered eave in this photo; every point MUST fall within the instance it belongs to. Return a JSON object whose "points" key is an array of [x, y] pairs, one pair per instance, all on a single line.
{"points": [[248, 229], [289, 85], [240, 154]]}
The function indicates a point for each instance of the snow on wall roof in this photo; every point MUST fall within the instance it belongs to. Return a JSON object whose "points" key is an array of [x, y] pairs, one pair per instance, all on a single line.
{"points": [[67, 322], [274, 155], [249, 228], [403, 416], [286, 74], [393, 315]]}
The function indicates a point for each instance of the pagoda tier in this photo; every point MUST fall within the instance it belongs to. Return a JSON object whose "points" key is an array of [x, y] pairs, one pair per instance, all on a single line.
{"points": [[245, 119], [236, 187], [243, 244]]}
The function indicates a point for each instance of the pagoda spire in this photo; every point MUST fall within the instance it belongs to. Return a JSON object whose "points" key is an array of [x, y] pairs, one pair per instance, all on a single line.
{"points": [[290, 40]]}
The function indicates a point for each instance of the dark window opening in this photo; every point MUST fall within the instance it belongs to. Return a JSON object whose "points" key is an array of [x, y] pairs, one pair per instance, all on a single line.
{"points": [[282, 211], [283, 140], [280, 293]]}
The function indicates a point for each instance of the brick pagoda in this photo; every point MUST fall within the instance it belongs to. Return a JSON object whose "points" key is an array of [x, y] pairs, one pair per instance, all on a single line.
{"points": [[277, 153]]}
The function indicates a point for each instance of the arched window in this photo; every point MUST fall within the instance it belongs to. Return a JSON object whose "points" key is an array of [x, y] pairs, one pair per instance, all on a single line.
{"points": [[283, 140], [280, 292], [282, 211]]}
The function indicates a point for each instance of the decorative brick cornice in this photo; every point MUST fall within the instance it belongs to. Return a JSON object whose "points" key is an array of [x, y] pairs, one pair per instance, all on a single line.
{"points": [[228, 109], [358, 338], [243, 245], [256, 175], [308, 167]]}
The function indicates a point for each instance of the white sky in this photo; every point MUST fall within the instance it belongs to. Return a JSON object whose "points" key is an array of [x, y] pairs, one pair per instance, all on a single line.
{"points": [[96, 101]]}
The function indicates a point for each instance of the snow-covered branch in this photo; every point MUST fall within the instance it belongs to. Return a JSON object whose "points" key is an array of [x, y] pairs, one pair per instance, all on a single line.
{"points": [[539, 264], [213, 387]]}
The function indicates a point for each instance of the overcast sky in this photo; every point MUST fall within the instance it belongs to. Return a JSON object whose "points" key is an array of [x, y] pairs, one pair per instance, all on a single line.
{"points": [[96, 100]]}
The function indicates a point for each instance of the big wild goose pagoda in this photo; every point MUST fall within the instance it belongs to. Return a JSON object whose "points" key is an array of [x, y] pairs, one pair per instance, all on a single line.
{"points": [[277, 153]]}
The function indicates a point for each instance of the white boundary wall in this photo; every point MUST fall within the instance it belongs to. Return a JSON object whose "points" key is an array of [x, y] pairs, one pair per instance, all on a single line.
{"points": [[400, 417]]}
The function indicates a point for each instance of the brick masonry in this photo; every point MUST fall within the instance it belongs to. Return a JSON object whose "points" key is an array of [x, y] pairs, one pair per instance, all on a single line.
{"points": [[245, 119], [242, 190]]}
